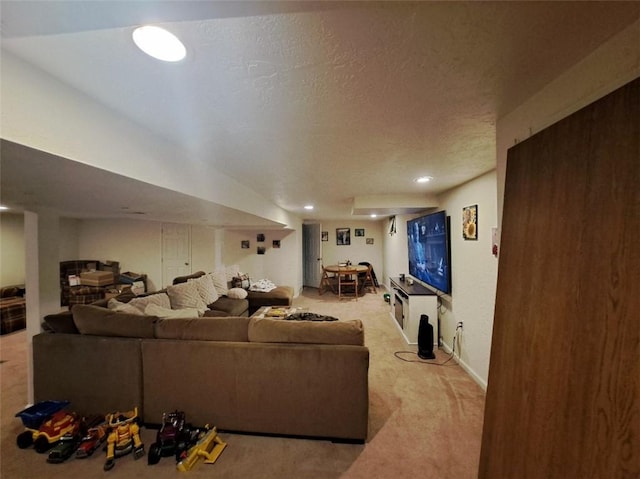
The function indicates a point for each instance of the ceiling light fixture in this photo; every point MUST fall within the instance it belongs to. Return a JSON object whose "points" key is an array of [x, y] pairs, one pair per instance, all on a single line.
{"points": [[308, 207], [2, 208], [423, 179], [373, 215], [159, 43]]}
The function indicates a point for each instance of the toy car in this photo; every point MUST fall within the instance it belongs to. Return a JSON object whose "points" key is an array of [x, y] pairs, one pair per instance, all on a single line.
{"points": [[174, 437], [91, 440], [49, 432], [65, 448]]}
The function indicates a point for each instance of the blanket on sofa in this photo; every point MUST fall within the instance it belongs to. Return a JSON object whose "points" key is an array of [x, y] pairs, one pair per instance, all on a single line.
{"points": [[263, 286]]}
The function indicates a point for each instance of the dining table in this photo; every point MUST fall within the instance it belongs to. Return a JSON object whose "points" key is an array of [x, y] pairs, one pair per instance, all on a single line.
{"points": [[336, 276]]}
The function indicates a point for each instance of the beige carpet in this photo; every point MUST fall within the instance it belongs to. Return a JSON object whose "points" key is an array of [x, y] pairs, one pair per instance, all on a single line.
{"points": [[425, 421]]}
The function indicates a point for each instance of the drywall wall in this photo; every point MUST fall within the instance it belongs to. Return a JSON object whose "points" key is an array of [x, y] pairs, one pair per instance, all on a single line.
{"points": [[278, 264], [358, 250], [12, 266], [474, 272]]}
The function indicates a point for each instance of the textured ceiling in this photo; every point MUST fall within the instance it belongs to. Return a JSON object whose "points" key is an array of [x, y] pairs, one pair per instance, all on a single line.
{"points": [[320, 102]]}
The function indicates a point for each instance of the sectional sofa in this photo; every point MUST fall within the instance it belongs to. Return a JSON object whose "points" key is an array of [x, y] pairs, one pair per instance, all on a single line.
{"points": [[245, 374]]}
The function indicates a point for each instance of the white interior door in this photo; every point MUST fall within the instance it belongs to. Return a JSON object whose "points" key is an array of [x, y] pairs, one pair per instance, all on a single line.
{"points": [[312, 252], [176, 251]]}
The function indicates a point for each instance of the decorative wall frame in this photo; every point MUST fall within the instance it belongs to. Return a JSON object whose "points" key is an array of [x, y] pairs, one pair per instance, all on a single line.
{"points": [[244, 244], [359, 231], [260, 238], [343, 236], [369, 240], [261, 249], [470, 223], [276, 243], [325, 236]]}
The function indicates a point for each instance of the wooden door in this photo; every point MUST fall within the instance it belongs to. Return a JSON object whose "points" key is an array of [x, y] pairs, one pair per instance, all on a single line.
{"points": [[563, 396], [312, 252], [176, 251]]}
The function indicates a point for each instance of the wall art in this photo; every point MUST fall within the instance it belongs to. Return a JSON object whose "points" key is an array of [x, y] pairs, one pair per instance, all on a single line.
{"points": [[343, 236], [470, 222]]}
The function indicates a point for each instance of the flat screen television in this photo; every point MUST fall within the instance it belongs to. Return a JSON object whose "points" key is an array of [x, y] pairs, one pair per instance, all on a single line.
{"points": [[429, 248]]}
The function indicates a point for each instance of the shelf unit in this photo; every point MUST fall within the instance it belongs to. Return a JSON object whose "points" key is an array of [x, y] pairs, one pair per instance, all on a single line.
{"points": [[415, 300]]}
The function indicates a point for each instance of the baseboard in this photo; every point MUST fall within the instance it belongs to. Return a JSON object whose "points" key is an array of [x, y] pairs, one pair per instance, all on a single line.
{"points": [[481, 382]]}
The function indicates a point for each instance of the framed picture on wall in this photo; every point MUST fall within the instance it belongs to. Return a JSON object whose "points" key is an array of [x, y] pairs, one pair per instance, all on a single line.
{"points": [[276, 243], [343, 236], [260, 238], [359, 231], [470, 222], [369, 240], [325, 236], [261, 249], [245, 244]]}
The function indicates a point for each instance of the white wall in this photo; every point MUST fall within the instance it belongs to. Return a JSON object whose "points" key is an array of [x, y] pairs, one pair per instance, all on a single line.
{"points": [[280, 265], [358, 250], [12, 251], [136, 245], [474, 273]]}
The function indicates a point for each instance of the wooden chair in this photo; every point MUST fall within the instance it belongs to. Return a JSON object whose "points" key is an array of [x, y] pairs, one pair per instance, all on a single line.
{"points": [[366, 279], [347, 283], [326, 282]]}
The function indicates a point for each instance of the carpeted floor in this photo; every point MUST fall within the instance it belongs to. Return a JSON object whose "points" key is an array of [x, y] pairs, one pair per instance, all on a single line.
{"points": [[424, 420]]}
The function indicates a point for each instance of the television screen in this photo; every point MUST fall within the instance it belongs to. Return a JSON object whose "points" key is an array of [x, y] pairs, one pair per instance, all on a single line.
{"points": [[428, 248]]}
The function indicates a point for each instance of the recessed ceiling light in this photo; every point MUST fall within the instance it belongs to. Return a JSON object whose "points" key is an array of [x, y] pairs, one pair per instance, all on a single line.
{"points": [[4, 207], [423, 179], [373, 215], [308, 207], [159, 43]]}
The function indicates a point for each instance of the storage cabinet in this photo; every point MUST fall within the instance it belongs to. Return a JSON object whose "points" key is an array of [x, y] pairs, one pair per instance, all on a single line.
{"points": [[408, 303]]}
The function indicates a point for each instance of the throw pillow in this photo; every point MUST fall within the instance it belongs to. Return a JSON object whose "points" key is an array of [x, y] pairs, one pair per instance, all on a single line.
{"points": [[141, 302], [115, 305], [220, 282], [237, 293], [186, 295], [206, 288], [165, 313]]}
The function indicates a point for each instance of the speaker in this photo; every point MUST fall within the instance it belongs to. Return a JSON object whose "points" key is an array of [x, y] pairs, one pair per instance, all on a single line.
{"points": [[425, 338]]}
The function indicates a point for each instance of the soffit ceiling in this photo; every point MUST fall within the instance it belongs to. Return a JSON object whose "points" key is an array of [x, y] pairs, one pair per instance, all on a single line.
{"points": [[320, 102]]}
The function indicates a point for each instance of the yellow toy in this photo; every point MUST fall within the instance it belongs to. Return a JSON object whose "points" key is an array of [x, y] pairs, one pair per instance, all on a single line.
{"points": [[124, 437], [210, 446]]}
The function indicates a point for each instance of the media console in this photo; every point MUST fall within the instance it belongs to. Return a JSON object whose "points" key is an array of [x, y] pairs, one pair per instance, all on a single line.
{"points": [[408, 303]]}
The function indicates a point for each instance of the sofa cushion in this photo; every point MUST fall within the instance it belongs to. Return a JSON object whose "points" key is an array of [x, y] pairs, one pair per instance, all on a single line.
{"points": [[61, 323], [167, 313], [206, 288], [230, 328], [233, 307], [263, 330], [280, 296], [98, 321], [186, 295]]}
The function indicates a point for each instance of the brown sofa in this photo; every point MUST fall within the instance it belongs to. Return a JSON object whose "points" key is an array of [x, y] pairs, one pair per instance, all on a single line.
{"points": [[280, 296], [282, 377]]}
